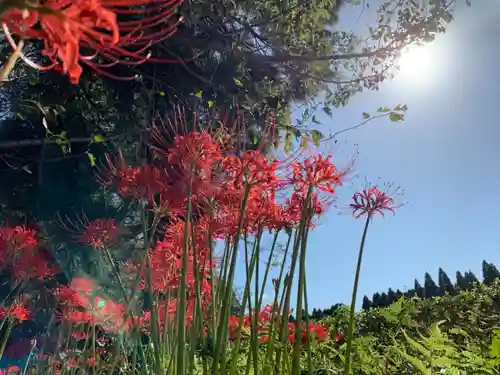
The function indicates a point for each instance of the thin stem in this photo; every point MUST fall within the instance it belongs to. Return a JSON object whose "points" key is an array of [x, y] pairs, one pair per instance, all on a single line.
{"points": [[181, 322], [228, 286], [350, 328], [300, 295], [9, 65]]}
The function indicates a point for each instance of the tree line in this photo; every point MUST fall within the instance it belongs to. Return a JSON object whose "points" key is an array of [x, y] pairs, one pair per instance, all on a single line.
{"points": [[430, 289]]}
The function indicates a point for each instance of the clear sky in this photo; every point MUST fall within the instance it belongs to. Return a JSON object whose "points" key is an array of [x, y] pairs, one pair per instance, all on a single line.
{"points": [[446, 156]]}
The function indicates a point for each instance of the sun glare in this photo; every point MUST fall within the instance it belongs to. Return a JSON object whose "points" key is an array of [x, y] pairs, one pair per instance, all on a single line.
{"points": [[416, 64]]}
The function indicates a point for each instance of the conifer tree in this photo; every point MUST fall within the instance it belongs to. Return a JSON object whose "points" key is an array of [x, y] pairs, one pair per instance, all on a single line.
{"points": [[419, 291], [367, 304], [490, 273], [470, 279], [376, 300], [461, 283], [430, 287], [391, 296], [384, 300], [445, 284]]}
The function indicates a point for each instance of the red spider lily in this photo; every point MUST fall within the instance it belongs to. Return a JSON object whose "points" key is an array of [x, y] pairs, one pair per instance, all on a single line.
{"points": [[91, 361], [15, 241], [19, 250], [166, 266], [339, 337], [317, 172], [67, 27], [374, 200], [17, 312], [79, 335], [195, 151], [77, 295], [295, 205], [101, 233], [250, 168], [166, 312], [12, 370], [37, 264], [131, 182], [316, 331]]}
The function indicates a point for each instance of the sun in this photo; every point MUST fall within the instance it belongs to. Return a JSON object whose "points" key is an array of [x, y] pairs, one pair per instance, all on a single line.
{"points": [[416, 64]]}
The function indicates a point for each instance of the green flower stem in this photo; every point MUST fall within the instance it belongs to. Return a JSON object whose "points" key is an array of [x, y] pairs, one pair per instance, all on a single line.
{"points": [[6, 336], [181, 309], [276, 309], [246, 298], [350, 328], [300, 295], [228, 285]]}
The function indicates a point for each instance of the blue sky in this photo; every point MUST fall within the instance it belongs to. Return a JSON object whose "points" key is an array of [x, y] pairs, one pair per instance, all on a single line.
{"points": [[446, 156]]}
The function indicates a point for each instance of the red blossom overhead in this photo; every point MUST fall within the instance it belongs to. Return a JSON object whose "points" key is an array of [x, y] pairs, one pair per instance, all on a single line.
{"points": [[90, 32], [373, 200], [317, 172]]}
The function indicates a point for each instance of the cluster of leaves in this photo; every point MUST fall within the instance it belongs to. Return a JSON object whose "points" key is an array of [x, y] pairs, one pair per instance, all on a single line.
{"points": [[452, 334]]}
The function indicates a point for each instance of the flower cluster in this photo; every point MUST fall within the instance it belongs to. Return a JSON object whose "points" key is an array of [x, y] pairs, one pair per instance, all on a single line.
{"points": [[262, 321], [89, 32], [21, 253]]}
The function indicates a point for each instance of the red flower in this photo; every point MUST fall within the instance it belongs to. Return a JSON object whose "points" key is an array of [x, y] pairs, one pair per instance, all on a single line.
{"points": [[339, 337], [67, 27], [100, 233], [15, 312], [37, 264], [19, 250], [91, 361], [142, 182], [17, 240], [374, 200], [317, 172]]}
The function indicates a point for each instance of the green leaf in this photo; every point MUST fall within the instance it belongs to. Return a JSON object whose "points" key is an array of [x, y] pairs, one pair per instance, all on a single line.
{"points": [[314, 120], [198, 94], [459, 331], [495, 347], [210, 103], [417, 346], [328, 111], [417, 363], [316, 136], [162, 93], [444, 361], [383, 110], [98, 138], [20, 116], [303, 143], [397, 306], [366, 115], [91, 159], [435, 331], [288, 142], [394, 116], [237, 82]]}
